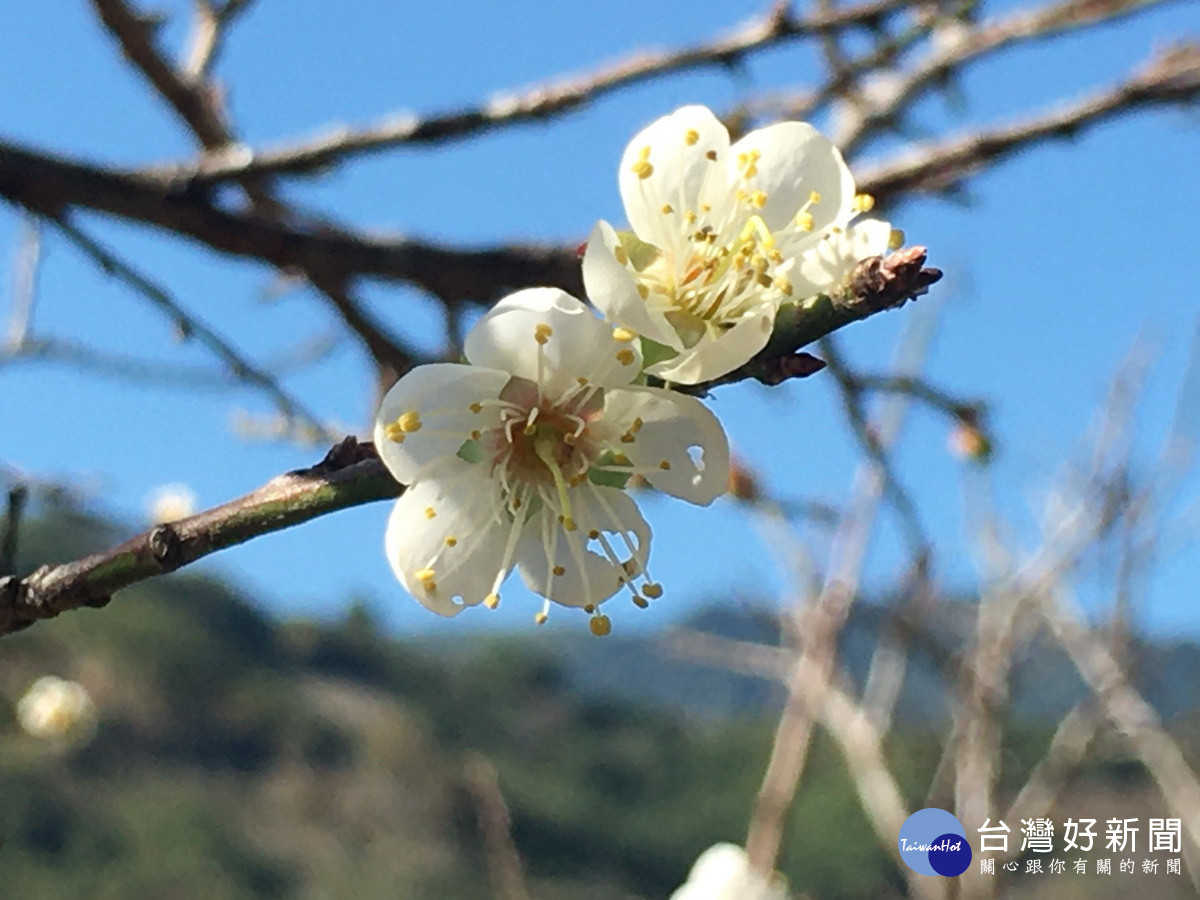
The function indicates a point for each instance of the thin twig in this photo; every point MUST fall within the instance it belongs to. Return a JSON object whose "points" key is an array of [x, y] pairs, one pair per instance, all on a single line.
{"points": [[189, 325], [503, 859]]}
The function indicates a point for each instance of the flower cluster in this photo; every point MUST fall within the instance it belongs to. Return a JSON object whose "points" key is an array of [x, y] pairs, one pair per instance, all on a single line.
{"points": [[519, 457]]}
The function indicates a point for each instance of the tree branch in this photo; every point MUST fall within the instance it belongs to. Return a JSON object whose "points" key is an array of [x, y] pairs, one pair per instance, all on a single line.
{"points": [[1172, 76], [777, 26], [349, 475]]}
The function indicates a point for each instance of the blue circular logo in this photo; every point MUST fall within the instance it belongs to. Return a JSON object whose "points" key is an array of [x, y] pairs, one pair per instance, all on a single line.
{"points": [[933, 842]]}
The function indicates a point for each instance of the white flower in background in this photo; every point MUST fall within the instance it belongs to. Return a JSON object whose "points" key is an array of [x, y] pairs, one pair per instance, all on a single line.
{"points": [[56, 708], [722, 236], [171, 502], [518, 460], [722, 872]]}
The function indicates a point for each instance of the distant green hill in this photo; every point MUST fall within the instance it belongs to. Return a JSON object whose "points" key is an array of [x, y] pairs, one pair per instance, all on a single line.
{"points": [[239, 757]]}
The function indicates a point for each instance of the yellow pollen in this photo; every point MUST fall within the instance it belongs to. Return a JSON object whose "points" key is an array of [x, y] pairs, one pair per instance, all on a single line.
{"points": [[895, 239], [430, 512], [476, 434], [804, 221], [637, 425], [640, 602], [711, 155], [814, 197], [644, 153], [394, 432], [776, 257], [568, 523], [451, 541], [625, 356], [643, 291], [600, 625], [430, 587], [691, 136], [620, 255], [542, 333], [540, 618], [624, 335], [424, 575], [581, 380], [665, 465], [559, 570], [491, 601], [689, 217], [476, 407], [758, 199], [782, 284], [593, 534], [652, 590], [409, 422], [706, 207], [765, 280], [627, 438], [667, 209], [863, 203], [642, 169]]}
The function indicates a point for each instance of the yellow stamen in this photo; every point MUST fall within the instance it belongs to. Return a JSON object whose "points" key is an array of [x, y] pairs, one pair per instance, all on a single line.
{"points": [[691, 136], [394, 432], [542, 333], [667, 209], [624, 335], [620, 255], [640, 602], [642, 169], [711, 155], [559, 570], [491, 601], [895, 239], [430, 512], [409, 422], [814, 197], [643, 291], [600, 625], [625, 356], [424, 575], [665, 465], [540, 618], [782, 284], [804, 221], [758, 199], [476, 407], [863, 203], [652, 590], [451, 541]]}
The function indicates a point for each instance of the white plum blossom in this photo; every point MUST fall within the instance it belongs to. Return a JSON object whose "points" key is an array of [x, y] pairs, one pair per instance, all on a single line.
{"points": [[518, 459], [722, 872], [54, 708], [171, 502], [723, 235]]}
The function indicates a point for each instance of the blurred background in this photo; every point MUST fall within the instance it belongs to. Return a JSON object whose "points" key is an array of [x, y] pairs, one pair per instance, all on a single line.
{"points": [[960, 562]]}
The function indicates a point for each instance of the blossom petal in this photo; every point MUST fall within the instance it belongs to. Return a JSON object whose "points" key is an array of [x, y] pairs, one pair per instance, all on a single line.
{"points": [[446, 537], [547, 333], [440, 394], [572, 568], [663, 428], [613, 288], [824, 267], [794, 159], [714, 357], [672, 163]]}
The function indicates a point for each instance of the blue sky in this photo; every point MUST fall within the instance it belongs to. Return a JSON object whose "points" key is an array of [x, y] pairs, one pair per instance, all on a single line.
{"points": [[1062, 260]]}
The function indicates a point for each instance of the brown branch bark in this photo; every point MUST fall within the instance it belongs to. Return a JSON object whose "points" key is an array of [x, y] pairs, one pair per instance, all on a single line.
{"points": [[1171, 77], [349, 475], [777, 26]]}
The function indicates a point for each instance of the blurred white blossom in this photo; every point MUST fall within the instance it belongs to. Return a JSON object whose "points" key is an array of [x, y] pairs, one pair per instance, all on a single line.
{"points": [[722, 872], [171, 502], [56, 708]]}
